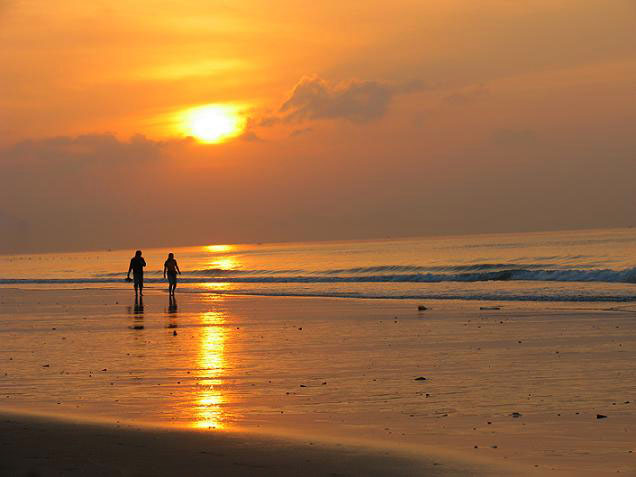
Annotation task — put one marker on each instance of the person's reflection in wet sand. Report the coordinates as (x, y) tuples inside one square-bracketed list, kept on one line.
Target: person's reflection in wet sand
[(172, 304), (172, 313), (138, 313)]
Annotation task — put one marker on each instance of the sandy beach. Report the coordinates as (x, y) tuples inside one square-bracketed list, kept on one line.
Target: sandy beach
[(38, 446), (377, 387)]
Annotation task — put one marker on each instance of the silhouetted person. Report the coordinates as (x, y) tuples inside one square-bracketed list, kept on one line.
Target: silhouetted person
[(137, 264), (171, 268)]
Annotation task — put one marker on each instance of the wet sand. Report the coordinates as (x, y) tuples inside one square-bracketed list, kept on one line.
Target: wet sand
[(36, 446), (325, 370)]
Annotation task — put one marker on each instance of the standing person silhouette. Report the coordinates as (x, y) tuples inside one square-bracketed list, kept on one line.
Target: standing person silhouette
[(171, 268), (137, 264)]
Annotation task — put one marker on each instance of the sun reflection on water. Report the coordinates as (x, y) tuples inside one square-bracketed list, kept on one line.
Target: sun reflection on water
[(218, 286), (224, 263), (219, 248), (212, 363)]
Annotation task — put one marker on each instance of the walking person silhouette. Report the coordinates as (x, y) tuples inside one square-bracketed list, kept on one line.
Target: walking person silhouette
[(171, 268), (137, 264)]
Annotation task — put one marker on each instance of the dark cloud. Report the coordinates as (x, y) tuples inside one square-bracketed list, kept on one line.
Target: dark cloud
[(15, 233), (514, 137), (300, 132), (85, 149), (356, 100), (250, 136), (467, 95), (266, 121)]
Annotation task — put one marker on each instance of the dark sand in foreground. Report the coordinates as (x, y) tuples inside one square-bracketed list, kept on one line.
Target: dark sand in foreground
[(36, 446)]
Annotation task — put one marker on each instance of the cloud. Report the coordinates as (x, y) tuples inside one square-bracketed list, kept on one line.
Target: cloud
[(250, 136), (300, 132), (514, 137), (357, 100), (85, 149), (15, 233), (467, 95)]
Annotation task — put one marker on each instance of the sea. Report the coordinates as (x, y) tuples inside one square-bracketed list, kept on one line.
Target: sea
[(423, 341), (565, 266)]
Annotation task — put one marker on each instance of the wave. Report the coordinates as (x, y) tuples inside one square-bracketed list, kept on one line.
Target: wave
[(498, 296), (440, 268), (546, 297), (509, 274)]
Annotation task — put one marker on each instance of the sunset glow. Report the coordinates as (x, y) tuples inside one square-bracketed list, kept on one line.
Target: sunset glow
[(213, 123), (300, 237), (218, 248)]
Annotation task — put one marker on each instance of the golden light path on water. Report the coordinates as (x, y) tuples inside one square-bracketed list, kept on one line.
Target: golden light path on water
[(224, 263), (218, 286), (212, 363)]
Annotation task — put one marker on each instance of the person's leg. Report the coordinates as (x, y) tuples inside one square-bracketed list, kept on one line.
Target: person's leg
[(136, 291)]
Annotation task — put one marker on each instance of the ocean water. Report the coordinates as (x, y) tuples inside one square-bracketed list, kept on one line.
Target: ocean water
[(75, 341), (571, 266)]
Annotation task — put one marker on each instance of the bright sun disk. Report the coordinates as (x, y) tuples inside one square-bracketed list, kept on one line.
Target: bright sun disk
[(213, 123)]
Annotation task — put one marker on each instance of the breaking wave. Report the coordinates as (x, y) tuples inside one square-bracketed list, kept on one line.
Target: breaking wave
[(384, 274)]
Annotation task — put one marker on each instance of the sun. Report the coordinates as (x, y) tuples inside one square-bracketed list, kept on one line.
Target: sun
[(213, 123)]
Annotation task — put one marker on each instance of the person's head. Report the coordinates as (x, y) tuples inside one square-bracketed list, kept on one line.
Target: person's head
[(138, 253), (170, 256)]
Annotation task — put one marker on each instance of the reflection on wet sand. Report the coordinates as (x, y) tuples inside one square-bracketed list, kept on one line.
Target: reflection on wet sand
[(138, 313), (212, 363), (171, 313)]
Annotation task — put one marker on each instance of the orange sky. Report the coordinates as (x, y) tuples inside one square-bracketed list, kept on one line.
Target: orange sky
[(364, 119)]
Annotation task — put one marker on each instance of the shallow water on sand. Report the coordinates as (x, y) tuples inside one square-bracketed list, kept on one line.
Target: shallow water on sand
[(334, 366)]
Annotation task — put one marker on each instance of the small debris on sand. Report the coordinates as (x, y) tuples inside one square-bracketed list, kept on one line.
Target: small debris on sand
[(422, 308), (421, 378), (490, 308), (174, 333), (516, 414), (601, 416), (46, 365)]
